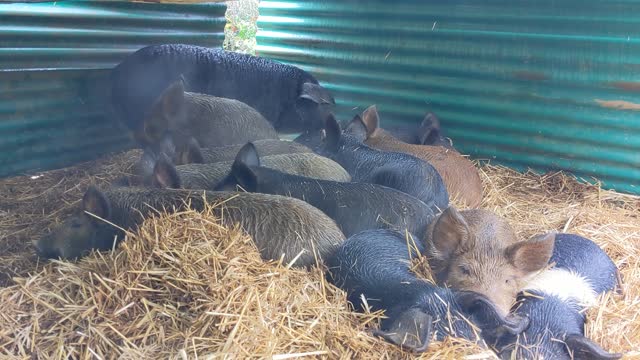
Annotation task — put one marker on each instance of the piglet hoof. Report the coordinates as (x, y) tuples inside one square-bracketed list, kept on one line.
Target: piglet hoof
[(411, 331), (406, 342), (585, 349), (488, 316)]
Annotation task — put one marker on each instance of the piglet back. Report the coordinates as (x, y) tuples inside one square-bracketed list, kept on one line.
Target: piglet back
[(584, 257)]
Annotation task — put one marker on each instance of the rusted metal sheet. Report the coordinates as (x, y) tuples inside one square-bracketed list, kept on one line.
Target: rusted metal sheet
[(54, 65), (551, 85)]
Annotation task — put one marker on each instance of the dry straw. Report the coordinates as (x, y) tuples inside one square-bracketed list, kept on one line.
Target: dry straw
[(184, 287)]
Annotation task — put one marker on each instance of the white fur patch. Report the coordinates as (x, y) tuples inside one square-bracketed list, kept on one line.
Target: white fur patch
[(564, 284)]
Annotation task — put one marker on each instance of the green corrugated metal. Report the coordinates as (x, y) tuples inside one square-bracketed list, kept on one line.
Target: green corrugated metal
[(524, 83), (54, 63)]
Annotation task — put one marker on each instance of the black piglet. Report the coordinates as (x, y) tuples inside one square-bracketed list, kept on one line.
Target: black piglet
[(375, 265)]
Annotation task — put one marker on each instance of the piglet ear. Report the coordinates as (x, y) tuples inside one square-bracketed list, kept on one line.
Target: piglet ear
[(248, 155), (316, 94), (357, 128), (172, 98), (190, 153), (144, 167), (533, 254), (332, 133), (371, 119), (96, 203), (241, 171), (411, 330), (165, 175), (450, 233), (429, 131), (488, 317), (585, 349)]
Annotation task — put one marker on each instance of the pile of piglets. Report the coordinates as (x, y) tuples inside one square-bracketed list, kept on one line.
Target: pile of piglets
[(360, 199)]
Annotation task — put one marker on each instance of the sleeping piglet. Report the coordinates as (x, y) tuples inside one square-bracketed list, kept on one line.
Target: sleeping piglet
[(555, 302), (374, 268), (478, 250)]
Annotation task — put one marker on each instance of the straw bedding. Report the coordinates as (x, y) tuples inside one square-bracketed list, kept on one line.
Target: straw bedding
[(184, 287)]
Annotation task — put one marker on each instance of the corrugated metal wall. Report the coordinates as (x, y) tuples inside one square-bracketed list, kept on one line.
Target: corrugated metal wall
[(54, 62), (542, 84)]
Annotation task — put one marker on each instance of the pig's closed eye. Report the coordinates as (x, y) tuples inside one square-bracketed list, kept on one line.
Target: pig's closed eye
[(465, 270)]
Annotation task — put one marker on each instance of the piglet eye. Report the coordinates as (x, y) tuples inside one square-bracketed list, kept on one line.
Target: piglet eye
[(465, 270)]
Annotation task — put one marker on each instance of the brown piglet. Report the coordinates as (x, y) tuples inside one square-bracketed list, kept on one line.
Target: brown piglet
[(477, 250), (458, 173)]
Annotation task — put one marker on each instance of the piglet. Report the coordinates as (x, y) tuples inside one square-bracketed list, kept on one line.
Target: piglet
[(374, 268), (555, 302), (477, 250), (458, 173), (396, 170), (212, 121), (281, 227), (283, 94)]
